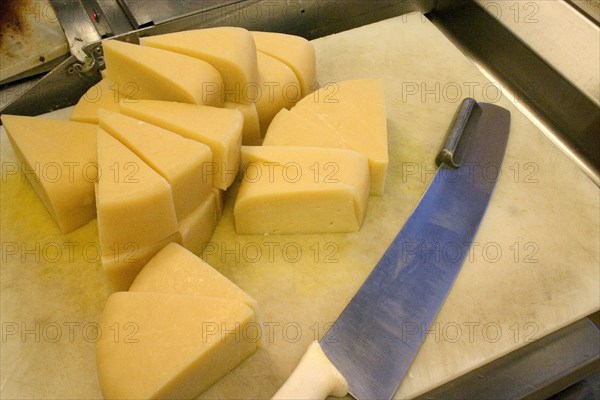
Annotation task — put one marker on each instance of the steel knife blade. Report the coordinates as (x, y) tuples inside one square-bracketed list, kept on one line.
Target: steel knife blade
[(367, 351)]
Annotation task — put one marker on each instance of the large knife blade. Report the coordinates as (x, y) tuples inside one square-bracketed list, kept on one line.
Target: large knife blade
[(373, 342)]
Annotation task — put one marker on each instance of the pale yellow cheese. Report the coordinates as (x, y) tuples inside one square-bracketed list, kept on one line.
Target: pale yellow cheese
[(279, 88), (105, 94), (301, 190), (297, 52), (135, 204), (59, 160), (218, 128), (162, 75), (230, 50), (197, 228), (170, 346), (122, 263), (292, 129), (177, 270), (251, 133), (179, 160), (355, 111)]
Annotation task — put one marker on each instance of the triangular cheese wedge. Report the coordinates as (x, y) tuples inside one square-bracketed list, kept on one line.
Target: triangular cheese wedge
[(301, 190), (251, 131), (218, 128), (162, 75), (168, 346), (180, 161), (104, 94), (59, 160), (135, 204), (279, 88), (197, 228), (177, 270), (295, 51), (230, 50), (353, 113)]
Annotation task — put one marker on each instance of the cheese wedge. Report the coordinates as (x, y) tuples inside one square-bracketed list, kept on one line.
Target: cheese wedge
[(122, 263), (177, 270), (135, 204), (354, 110), (59, 160), (162, 75), (179, 160), (295, 51), (251, 134), (301, 190), (230, 50), (197, 228), (218, 128), (105, 94), (279, 88), (169, 346)]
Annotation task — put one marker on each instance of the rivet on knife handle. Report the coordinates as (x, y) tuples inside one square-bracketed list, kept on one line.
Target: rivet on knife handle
[(459, 134)]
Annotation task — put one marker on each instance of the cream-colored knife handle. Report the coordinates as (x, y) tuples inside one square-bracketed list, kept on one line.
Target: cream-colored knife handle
[(315, 377)]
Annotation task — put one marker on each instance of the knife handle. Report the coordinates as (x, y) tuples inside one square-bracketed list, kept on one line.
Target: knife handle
[(315, 377)]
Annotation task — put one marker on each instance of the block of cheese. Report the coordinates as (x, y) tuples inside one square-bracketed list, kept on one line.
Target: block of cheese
[(301, 190), (197, 228), (176, 270), (279, 88), (162, 75), (104, 94), (297, 52), (122, 263), (135, 204), (293, 129), (355, 110), (179, 160), (59, 160), (251, 133), (218, 128), (169, 346), (230, 50)]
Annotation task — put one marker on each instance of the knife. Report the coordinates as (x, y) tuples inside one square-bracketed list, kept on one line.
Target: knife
[(368, 349)]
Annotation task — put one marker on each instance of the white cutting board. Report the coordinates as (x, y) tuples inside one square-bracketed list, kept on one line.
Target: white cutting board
[(543, 218)]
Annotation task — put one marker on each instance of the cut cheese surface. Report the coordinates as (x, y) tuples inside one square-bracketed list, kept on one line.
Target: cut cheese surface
[(105, 94), (295, 51), (230, 50), (179, 160), (170, 346), (279, 88), (135, 204), (122, 263), (355, 111), (162, 75), (59, 160), (251, 134), (218, 128), (301, 190), (177, 270), (293, 129), (197, 228)]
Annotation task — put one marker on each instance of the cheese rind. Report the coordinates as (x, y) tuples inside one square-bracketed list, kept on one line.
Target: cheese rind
[(301, 190), (162, 75), (179, 160), (59, 158), (279, 88), (295, 51), (169, 346), (351, 115), (230, 50), (218, 128), (135, 203)]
